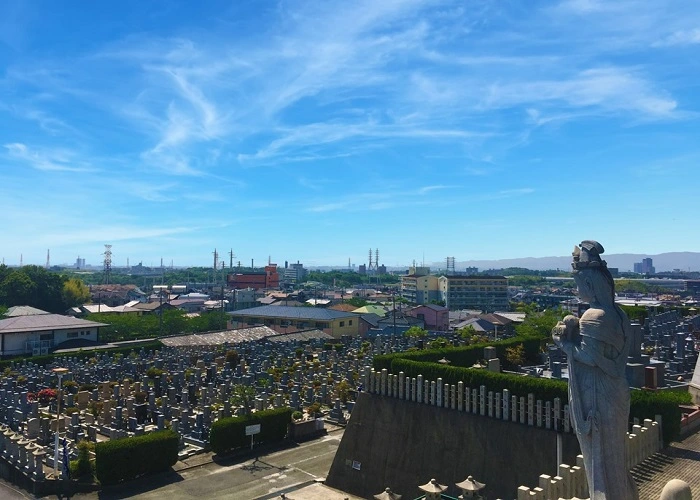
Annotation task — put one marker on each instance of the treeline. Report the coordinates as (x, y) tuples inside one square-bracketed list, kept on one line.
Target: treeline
[(35, 286), (168, 277), (174, 322)]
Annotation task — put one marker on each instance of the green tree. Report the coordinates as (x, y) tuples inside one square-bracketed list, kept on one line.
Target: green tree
[(243, 396), (357, 302), (342, 390), (515, 355), (174, 322), (467, 332), (540, 324), (438, 343), (416, 331), (74, 292), (18, 289)]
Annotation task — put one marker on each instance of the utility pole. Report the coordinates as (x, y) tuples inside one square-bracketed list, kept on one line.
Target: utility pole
[(393, 302)]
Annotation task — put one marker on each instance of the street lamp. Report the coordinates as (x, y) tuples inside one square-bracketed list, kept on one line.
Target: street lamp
[(60, 372)]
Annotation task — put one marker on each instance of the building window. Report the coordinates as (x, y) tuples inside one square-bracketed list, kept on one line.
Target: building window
[(71, 335), (349, 322), (342, 324), (46, 336)]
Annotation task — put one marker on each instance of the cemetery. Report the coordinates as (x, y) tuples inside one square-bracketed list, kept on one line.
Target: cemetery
[(65, 416), (195, 391)]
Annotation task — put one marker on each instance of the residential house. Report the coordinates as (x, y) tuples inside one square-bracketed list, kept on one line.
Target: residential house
[(115, 295), (435, 317), (41, 333)]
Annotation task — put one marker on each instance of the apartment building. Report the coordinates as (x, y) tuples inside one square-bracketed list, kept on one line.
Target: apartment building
[(484, 293)]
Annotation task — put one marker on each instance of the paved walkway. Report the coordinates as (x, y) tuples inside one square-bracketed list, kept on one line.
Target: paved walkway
[(678, 461)]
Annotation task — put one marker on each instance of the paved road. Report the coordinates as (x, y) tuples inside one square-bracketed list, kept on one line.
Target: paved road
[(9, 491), (252, 479)]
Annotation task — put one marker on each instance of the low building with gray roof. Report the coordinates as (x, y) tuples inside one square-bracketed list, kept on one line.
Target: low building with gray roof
[(290, 319), (40, 333)]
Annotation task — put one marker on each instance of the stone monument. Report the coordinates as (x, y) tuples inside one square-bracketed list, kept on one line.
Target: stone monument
[(596, 345)]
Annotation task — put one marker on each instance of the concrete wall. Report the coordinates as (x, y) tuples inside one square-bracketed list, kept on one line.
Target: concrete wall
[(401, 444)]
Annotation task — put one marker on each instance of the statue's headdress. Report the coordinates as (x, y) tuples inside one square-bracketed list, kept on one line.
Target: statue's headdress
[(587, 254)]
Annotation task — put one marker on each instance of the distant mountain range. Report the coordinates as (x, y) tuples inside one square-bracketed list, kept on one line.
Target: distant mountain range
[(685, 261)]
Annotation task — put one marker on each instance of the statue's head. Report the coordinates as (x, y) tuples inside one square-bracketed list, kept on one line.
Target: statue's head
[(587, 254), (591, 274)]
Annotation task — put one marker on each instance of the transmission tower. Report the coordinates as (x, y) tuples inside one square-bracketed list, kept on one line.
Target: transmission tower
[(107, 264), (48, 258), (450, 261), (376, 259), (21, 260), (231, 257)]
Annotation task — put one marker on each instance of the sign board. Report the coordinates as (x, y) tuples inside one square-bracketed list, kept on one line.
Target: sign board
[(252, 429)]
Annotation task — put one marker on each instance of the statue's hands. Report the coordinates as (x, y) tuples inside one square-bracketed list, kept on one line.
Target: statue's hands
[(565, 330)]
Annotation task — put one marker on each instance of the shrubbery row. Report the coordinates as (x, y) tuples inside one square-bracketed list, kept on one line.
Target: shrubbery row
[(229, 433), (644, 403), (127, 458), (467, 355)]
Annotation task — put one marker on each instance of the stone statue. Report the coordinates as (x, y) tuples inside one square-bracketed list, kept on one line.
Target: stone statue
[(599, 396)]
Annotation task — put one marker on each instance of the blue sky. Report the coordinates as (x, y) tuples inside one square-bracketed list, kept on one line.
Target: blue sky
[(316, 130)]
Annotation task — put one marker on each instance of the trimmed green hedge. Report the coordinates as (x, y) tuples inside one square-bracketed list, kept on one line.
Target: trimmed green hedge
[(127, 458), (465, 356), (545, 389), (229, 433), (648, 404), (644, 403)]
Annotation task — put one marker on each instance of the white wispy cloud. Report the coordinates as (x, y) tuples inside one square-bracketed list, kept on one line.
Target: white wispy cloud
[(47, 160), (681, 37), (428, 189), (608, 90)]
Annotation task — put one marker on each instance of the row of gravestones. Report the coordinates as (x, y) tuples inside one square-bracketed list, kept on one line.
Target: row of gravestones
[(671, 338), (209, 378), (192, 390)]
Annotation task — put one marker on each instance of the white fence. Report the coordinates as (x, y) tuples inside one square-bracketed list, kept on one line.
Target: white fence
[(642, 442), (570, 481), (500, 405)]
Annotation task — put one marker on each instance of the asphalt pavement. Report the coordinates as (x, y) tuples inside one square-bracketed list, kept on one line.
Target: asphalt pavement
[(259, 477)]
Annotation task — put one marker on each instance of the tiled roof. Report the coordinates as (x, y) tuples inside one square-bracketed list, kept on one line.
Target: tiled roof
[(434, 307), (311, 313), (23, 311), (41, 322)]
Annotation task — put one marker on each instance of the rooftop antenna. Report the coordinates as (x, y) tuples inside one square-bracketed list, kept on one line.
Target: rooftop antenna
[(107, 264), (48, 258)]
